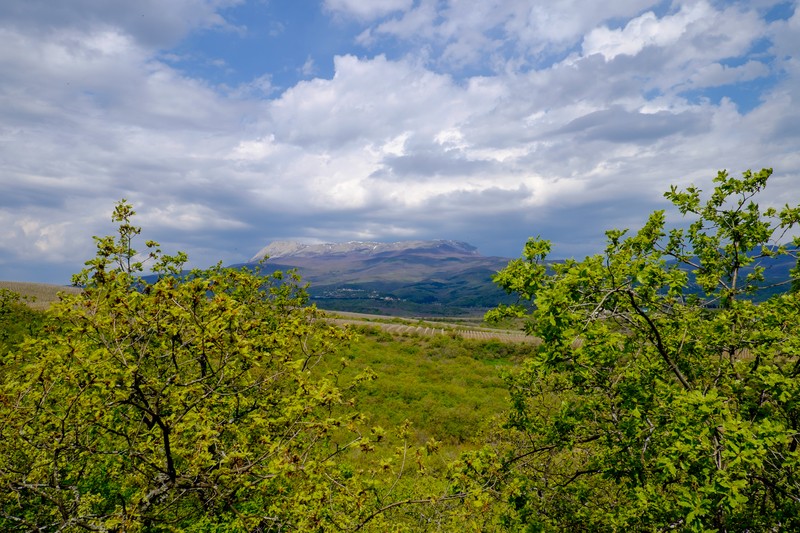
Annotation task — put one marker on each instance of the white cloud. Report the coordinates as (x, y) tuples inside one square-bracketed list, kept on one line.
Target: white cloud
[(366, 99), (367, 9), (646, 30), (253, 150), (397, 145), (579, 124), (308, 67), (152, 23), (186, 216), (418, 22), (474, 32), (716, 74)]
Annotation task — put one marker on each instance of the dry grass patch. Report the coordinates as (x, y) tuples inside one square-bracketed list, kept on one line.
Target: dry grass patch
[(37, 295)]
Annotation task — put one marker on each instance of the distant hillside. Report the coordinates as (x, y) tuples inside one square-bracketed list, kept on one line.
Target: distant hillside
[(402, 278), (420, 277)]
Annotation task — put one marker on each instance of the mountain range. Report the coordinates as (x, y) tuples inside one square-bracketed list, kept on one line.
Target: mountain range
[(429, 278), (419, 278)]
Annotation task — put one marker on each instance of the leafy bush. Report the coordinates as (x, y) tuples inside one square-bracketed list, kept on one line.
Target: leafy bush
[(17, 320), (194, 403), (648, 406)]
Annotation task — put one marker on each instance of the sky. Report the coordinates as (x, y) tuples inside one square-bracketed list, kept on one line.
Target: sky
[(229, 124)]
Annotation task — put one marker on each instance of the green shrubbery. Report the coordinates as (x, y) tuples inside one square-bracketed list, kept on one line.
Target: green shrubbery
[(186, 404), (223, 402), (17, 320), (649, 406)]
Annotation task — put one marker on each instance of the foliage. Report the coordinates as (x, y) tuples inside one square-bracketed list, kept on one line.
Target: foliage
[(649, 406), (209, 402), (17, 319), (182, 404)]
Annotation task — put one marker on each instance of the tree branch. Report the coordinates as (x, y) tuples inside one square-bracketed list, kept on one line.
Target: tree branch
[(459, 496), (658, 341)]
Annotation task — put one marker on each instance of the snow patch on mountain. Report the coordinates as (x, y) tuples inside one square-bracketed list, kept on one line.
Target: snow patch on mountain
[(278, 249)]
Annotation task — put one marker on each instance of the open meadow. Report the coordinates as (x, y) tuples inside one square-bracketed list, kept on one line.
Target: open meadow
[(447, 385)]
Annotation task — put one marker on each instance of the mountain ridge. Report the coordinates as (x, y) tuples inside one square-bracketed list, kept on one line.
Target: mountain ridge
[(281, 249), (419, 277)]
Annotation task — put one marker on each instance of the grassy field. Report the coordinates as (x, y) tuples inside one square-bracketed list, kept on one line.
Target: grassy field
[(447, 386)]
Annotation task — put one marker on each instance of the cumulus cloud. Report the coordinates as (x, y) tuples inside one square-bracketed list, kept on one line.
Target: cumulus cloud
[(645, 30), (475, 32), (716, 74), (367, 99), (152, 23), (485, 122), (620, 126)]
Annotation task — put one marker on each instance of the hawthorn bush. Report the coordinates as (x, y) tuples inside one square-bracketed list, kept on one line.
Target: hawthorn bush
[(192, 402), (665, 394)]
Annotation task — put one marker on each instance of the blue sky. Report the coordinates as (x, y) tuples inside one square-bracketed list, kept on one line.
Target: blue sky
[(233, 123)]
